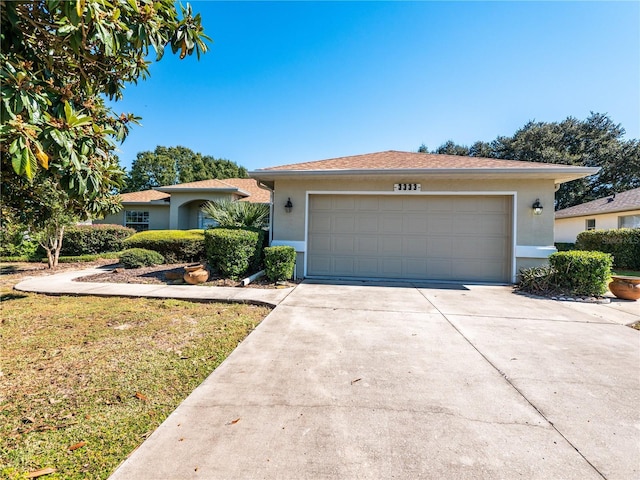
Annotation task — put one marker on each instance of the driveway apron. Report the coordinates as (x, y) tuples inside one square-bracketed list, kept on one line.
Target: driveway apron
[(394, 381)]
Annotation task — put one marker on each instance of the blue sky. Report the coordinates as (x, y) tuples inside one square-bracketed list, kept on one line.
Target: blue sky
[(288, 82)]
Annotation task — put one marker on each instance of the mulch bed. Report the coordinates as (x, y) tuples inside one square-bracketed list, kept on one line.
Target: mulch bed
[(158, 275)]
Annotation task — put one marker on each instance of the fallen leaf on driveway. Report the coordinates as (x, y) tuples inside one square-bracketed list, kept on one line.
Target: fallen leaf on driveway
[(356, 380), (233, 422)]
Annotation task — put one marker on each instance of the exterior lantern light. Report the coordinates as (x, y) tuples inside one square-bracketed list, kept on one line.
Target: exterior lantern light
[(537, 207), (288, 206)]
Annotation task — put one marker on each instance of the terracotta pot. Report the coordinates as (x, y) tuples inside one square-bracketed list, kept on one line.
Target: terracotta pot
[(196, 276), (627, 288)]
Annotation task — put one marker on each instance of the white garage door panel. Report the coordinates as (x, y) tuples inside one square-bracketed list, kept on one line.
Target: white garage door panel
[(412, 237)]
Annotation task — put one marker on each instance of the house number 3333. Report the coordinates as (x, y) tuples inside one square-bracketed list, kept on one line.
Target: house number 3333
[(406, 187)]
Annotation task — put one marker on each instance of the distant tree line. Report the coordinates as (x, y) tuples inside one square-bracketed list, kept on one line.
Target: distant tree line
[(173, 165), (594, 142)]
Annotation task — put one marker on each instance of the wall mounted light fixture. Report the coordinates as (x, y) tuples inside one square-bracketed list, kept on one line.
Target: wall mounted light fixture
[(537, 207), (288, 206)]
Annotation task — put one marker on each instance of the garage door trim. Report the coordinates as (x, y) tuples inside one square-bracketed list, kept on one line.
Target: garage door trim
[(511, 194)]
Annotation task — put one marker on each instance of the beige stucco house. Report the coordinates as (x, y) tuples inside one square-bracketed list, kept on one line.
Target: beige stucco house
[(621, 210), (403, 215), (177, 207)]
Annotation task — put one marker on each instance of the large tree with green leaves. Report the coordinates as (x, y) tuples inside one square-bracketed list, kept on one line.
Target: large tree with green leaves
[(594, 142), (59, 62), (171, 165)]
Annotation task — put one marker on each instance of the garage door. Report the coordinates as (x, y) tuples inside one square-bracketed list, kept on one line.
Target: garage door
[(410, 237)]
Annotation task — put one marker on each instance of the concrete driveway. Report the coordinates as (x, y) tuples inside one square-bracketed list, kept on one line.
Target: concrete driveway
[(396, 381)]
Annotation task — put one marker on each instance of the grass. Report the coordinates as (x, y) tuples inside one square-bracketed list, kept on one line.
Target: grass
[(84, 380)]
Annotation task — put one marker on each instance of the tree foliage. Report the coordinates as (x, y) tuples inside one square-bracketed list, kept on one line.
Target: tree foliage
[(172, 165), (594, 142), (59, 60)]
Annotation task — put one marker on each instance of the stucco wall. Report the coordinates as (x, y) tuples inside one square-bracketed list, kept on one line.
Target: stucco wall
[(158, 216), (184, 213), (567, 229), (531, 230)]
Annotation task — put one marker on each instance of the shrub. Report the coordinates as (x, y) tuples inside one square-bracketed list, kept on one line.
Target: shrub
[(581, 273), (279, 262), (234, 251), (232, 213), (92, 239), (539, 280), (139, 257), (622, 243), (175, 246), (565, 246), (15, 242)]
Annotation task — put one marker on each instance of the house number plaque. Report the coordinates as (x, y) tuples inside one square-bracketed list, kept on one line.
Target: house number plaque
[(406, 187)]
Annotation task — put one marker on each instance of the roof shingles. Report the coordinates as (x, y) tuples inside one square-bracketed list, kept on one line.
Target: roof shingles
[(395, 160), (629, 200)]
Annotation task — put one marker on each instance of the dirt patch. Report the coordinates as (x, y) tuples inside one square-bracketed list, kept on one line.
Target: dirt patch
[(163, 274)]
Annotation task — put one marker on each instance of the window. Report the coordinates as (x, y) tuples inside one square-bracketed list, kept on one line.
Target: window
[(629, 221), (590, 224), (205, 221), (136, 219)]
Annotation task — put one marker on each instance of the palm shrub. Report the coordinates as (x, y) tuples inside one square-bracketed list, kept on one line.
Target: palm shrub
[(230, 213)]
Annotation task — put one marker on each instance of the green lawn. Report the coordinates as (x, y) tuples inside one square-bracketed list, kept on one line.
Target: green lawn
[(83, 380)]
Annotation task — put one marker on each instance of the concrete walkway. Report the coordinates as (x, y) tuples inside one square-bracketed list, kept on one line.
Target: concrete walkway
[(379, 381), (64, 284)]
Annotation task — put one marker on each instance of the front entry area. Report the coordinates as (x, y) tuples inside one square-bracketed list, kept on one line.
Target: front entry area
[(415, 237)]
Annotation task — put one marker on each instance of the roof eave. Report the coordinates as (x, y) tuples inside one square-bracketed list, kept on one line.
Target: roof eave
[(197, 190), (558, 174), (588, 214)]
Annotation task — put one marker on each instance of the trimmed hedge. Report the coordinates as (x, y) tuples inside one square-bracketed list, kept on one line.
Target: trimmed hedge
[(577, 273), (176, 246), (234, 252), (139, 257), (581, 273), (92, 239), (279, 262), (622, 243)]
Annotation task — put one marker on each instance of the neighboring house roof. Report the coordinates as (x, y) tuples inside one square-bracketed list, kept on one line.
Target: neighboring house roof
[(411, 162), (145, 196), (247, 188), (619, 202)]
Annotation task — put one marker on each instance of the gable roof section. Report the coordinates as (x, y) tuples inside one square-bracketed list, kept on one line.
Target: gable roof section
[(396, 162), (620, 202), (146, 196), (247, 188)]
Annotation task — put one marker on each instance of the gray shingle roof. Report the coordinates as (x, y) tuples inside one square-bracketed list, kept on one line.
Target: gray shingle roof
[(629, 200)]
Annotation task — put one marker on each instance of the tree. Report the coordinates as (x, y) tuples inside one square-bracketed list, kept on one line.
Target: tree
[(172, 165), (58, 62), (594, 142)]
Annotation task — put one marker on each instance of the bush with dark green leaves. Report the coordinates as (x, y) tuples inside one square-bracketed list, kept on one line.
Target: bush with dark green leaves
[(139, 257), (234, 252), (576, 272), (622, 243), (176, 246), (279, 262), (565, 246), (92, 239)]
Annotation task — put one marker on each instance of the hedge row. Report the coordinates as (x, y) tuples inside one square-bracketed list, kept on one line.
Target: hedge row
[(176, 246), (92, 239), (622, 243)]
